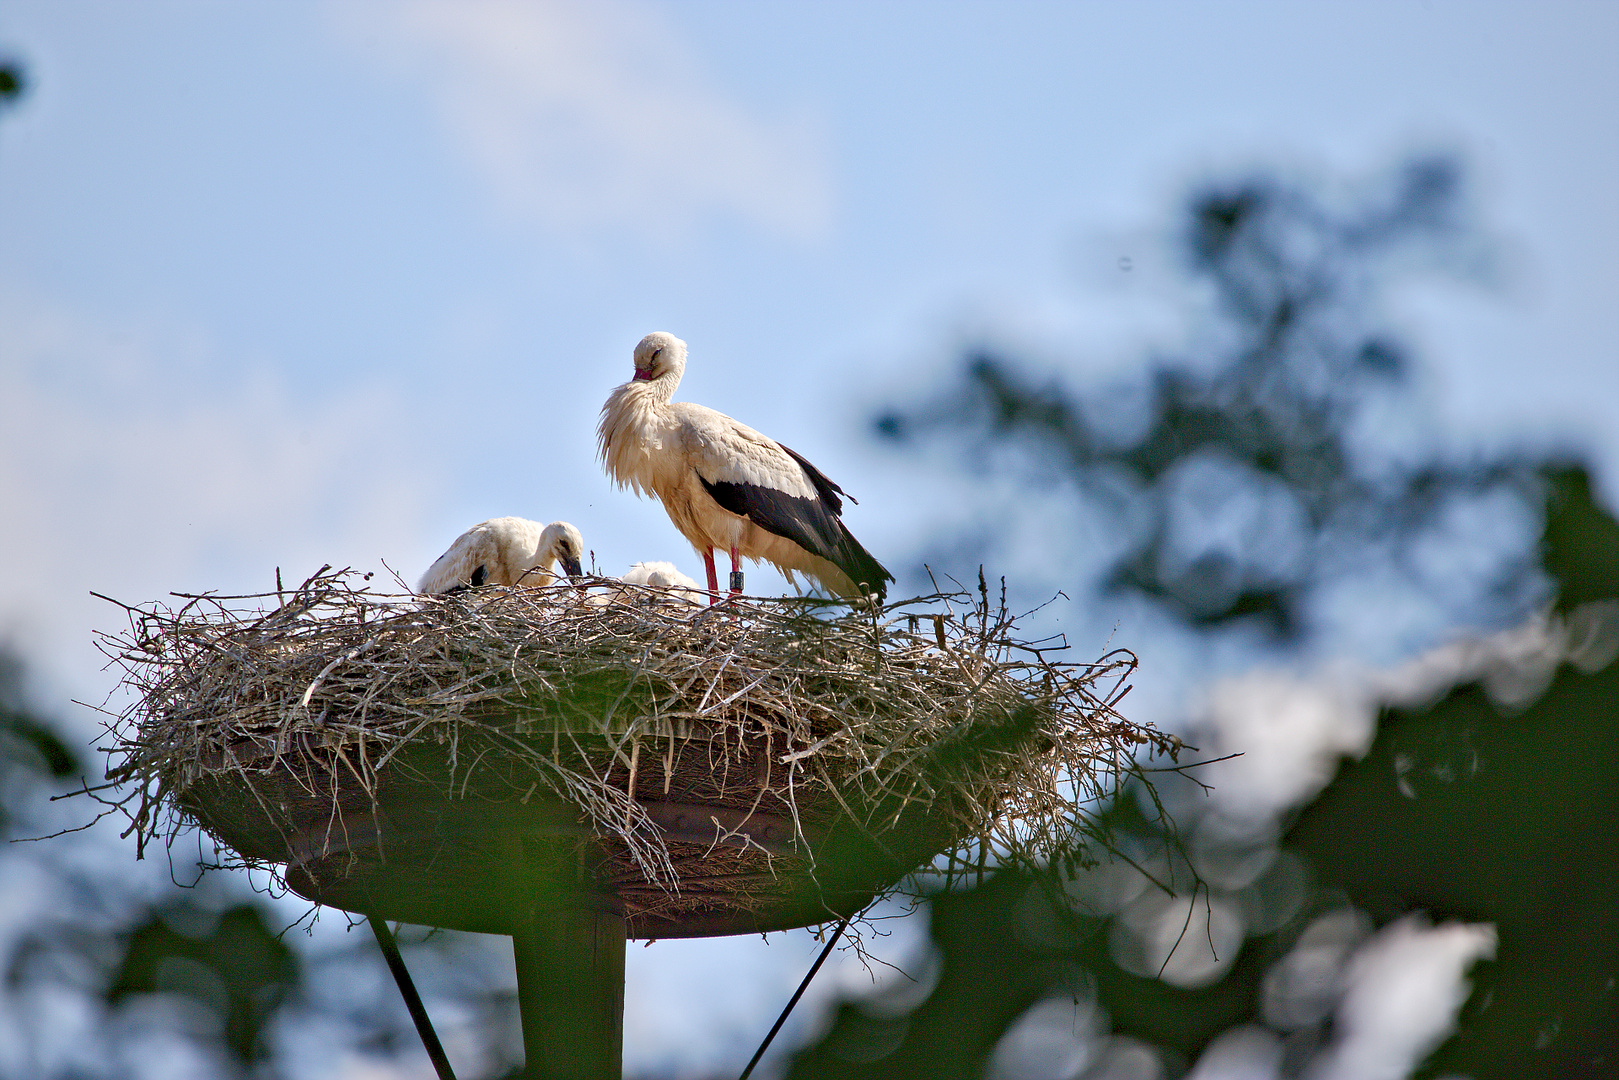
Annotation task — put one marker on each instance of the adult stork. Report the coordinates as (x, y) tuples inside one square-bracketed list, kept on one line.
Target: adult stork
[(725, 485), (505, 551)]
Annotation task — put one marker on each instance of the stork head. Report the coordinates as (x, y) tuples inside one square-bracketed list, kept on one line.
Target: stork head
[(561, 542), (659, 354)]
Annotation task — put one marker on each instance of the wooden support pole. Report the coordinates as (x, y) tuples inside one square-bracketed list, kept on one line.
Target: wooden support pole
[(570, 989)]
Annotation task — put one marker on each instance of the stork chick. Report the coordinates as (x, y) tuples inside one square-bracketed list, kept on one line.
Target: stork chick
[(670, 585), (506, 551)]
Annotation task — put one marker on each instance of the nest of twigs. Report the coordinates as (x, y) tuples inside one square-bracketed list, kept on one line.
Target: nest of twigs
[(289, 723)]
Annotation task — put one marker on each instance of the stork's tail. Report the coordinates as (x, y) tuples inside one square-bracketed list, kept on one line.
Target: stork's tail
[(868, 575)]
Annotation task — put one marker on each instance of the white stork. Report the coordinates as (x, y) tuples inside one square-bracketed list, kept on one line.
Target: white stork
[(505, 551), (725, 485)]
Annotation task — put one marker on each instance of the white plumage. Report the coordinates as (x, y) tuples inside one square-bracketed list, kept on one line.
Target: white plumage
[(506, 551), (662, 576), (724, 484)]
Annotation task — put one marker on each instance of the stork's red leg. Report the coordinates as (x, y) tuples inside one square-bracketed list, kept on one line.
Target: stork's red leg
[(713, 575), (736, 573)]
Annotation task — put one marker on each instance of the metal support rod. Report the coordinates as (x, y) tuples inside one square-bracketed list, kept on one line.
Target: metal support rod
[(413, 1000), (782, 1019), (570, 990)]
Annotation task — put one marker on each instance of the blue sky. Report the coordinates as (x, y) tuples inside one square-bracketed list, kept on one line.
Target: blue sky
[(302, 283), (294, 283)]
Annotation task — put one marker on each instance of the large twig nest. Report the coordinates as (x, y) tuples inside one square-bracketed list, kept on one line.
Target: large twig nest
[(734, 765)]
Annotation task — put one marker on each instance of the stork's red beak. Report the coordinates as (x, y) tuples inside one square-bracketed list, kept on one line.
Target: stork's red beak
[(641, 374)]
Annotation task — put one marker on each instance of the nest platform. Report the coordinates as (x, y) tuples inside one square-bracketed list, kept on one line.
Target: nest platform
[(759, 765)]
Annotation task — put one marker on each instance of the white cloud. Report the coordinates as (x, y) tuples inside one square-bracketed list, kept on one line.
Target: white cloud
[(1302, 987), (1402, 992), (1248, 1052), (1189, 941), (583, 115), (137, 460), (1291, 730), (1516, 664), (1395, 995), (1054, 1039)]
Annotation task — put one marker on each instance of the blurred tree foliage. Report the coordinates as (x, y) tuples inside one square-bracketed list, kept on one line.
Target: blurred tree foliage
[(1259, 461), (1505, 817), (1470, 811), (27, 743), (12, 81), (1253, 477), (105, 937), (234, 966)]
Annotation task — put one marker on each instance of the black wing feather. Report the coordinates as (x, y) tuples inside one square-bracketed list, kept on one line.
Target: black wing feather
[(824, 486), (812, 524)]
